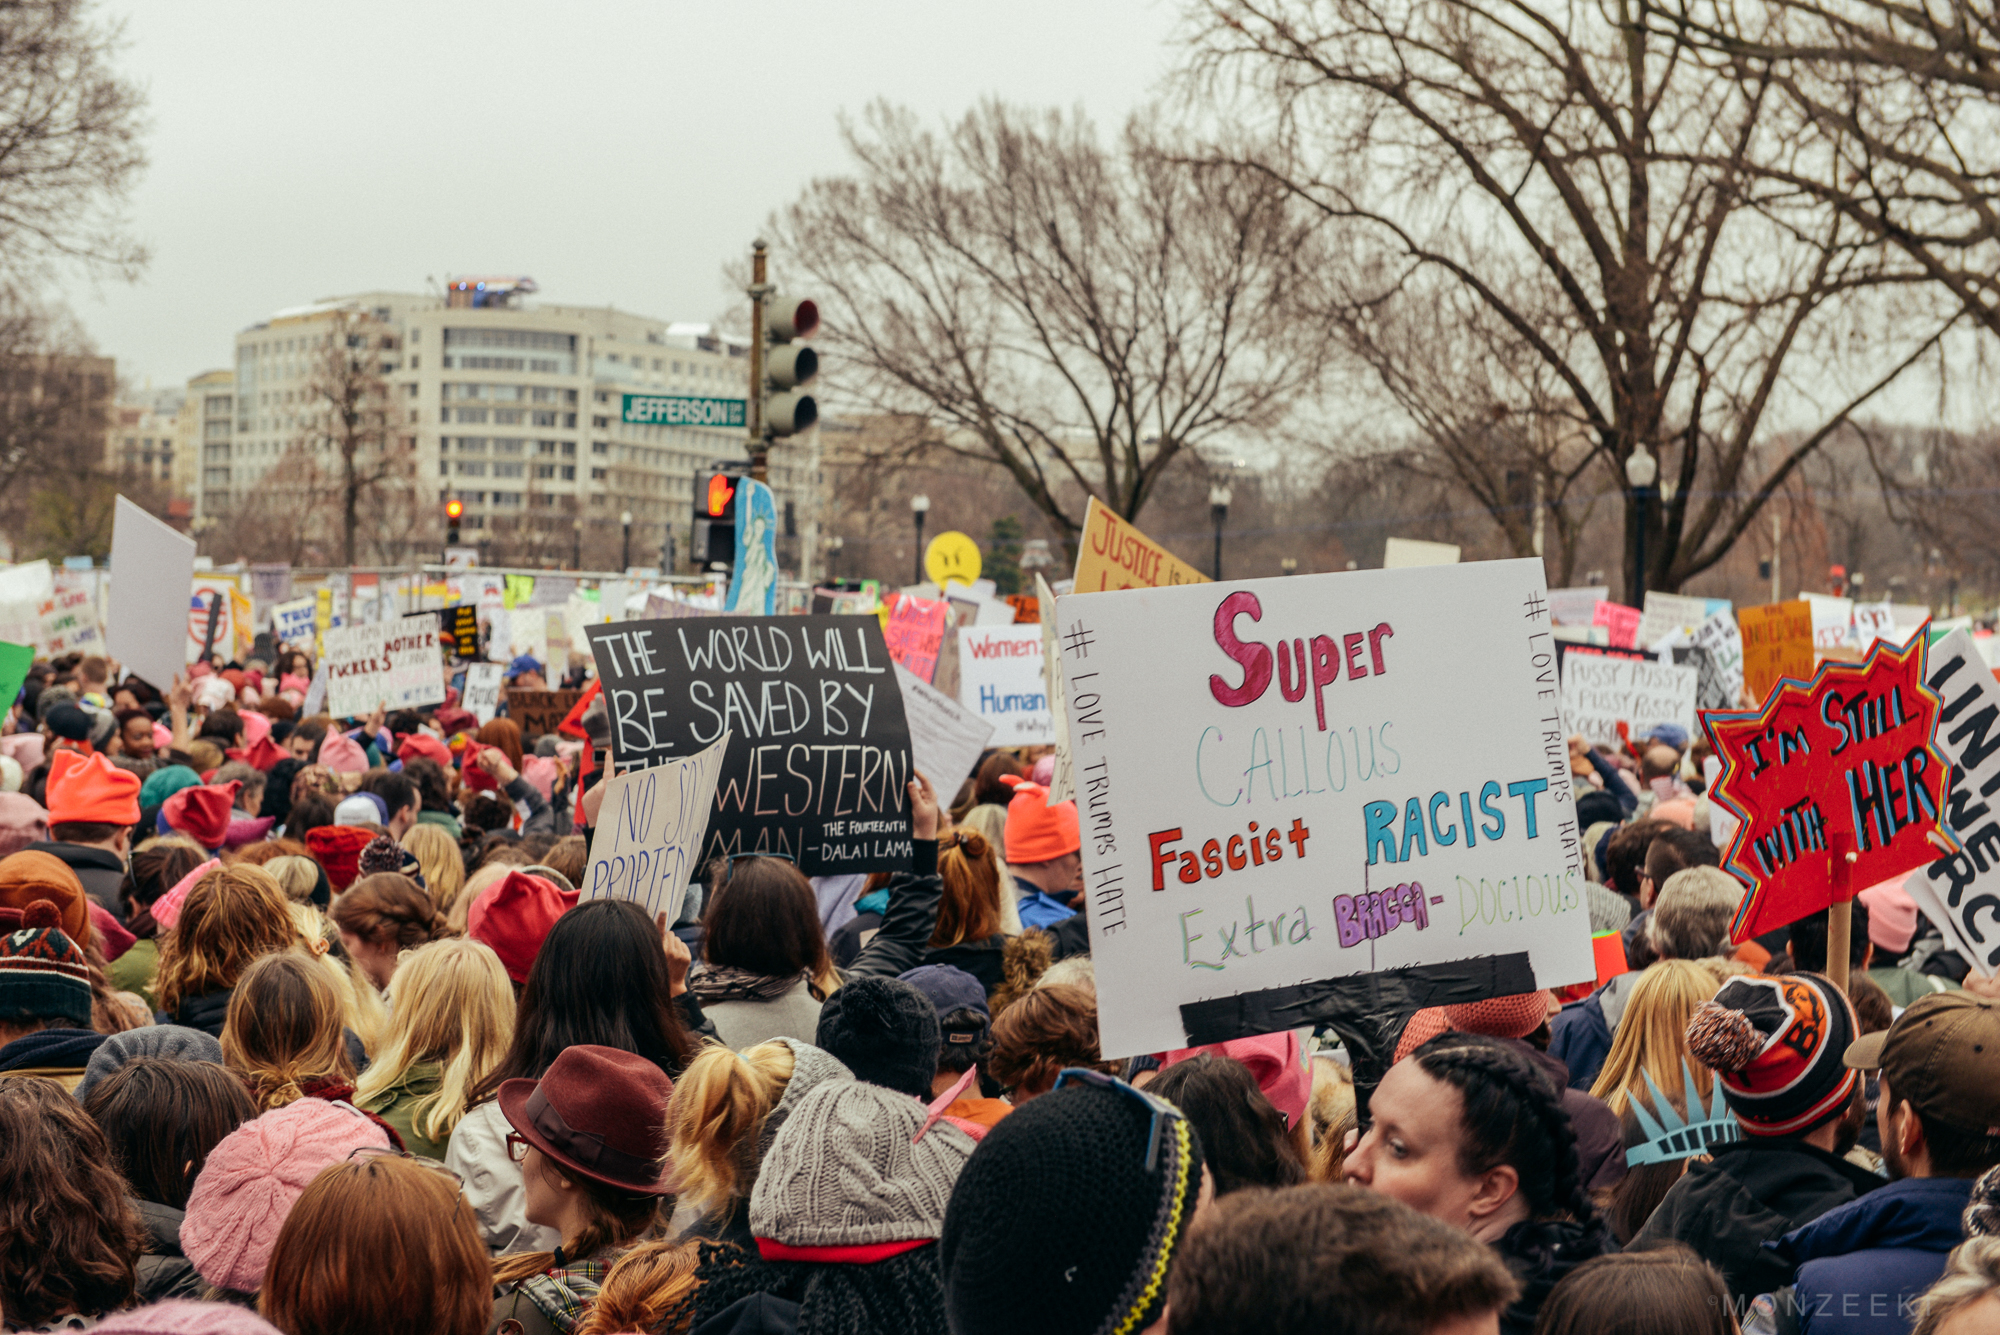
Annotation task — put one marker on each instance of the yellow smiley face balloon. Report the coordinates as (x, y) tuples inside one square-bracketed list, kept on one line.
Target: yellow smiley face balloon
[(952, 558)]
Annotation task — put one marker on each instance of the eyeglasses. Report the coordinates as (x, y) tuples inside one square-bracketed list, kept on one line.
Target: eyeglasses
[(1158, 1107), (435, 1165), (518, 1147)]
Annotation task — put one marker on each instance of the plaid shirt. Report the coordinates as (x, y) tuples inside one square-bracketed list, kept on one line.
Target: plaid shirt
[(565, 1294)]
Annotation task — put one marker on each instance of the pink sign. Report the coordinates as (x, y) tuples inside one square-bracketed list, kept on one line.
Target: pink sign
[(1621, 621), (915, 631)]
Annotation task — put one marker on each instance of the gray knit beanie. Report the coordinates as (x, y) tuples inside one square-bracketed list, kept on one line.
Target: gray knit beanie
[(811, 1068), (172, 1042), (848, 1169)]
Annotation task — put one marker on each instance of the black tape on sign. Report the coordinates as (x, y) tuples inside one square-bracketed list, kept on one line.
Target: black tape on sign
[(1367, 1010)]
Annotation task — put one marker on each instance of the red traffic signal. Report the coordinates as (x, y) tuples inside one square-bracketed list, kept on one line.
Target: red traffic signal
[(454, 510), (720, 494)]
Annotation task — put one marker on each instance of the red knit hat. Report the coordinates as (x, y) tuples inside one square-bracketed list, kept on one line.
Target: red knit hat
[(423, 746), (202, 813), (261, 754), (514, 915), (1498, 1017), (337, 848), (91, 790), (1036, 831)]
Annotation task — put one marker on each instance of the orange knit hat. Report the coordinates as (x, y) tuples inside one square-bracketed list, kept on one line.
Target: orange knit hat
[(1036, 831), (91, 790)]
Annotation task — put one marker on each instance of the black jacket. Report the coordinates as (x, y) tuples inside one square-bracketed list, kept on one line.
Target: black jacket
[(1540, 1255), (1753, 1192), (164, 1272), (205, 1012), (102, 873)]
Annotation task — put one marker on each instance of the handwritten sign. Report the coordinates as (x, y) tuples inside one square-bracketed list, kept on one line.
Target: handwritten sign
[(946, 738), (1666, 613), (1874, 621), (1621, 624), (482, 691), (1832, 620), (539, 712), (1288, 780), (650, 831), (1777, 643), (459, 625), (1599, 692), (915, 632), (818, 760), (1722, 676), (296, 623), (1843, 763), (1960, 892), (69, 617), (1115, 555), (1000, 679), (397, 665)]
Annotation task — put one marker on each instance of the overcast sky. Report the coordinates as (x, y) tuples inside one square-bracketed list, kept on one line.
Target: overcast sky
[(619, 152)]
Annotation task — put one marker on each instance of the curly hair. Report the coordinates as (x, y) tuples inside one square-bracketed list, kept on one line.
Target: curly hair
[(389, 909), (651, 1288), (1046, 1030), (69, 1237), (231, 917)]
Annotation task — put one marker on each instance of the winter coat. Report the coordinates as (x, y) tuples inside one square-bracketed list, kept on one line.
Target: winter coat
[(1862, 1266), (1540, 1254), (744, 1024), (205, 1012), (55, 1054), (1752, 1192), (102, 872), (135, 970), (397, 1105), (1580, 1035), (554, 1301), (477, 1152), (1600, 1137), (164, 1272)]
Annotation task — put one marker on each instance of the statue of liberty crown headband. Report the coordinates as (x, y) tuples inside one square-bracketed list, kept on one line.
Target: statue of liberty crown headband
[(1670, 1136)]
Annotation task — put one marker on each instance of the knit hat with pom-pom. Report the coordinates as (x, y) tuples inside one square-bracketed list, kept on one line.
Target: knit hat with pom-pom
[(1777, 1044), (43, 975), (886, 1031)]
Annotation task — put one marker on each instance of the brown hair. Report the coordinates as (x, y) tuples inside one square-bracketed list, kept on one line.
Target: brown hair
[(612, 1219), (1046, 1030), (569, 855), (157, 868), (1625, 854), (162, 1118), (986, 785), (69, 1238), (762, 917), (969, 908), (231, 917), (389, 908), (651, 1288), (1307, 1257), (266, 851), (286, 1029), (363, 1220), (1660, 1291), (505, 734)]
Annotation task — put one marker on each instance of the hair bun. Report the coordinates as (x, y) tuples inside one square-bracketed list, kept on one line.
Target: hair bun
[(1722, 1039)]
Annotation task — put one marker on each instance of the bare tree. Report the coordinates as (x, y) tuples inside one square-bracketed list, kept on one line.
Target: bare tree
[(1080, 315), (1557, 166), (70, 128), (348, 432)]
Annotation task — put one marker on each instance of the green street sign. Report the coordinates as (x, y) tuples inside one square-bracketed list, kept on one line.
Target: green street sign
[(683, 410)]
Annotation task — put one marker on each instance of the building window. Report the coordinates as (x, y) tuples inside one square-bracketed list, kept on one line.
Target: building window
[(507, 444), (545, 419), (597, 474), (569, 419), (569, 472), (471, 468), (545, 470), (600, 447), (569, 449), (472, 414), (507, 470), (601, 423)]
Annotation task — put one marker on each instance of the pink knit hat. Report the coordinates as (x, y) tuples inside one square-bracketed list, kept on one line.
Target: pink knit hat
[(178, 1316), (342, 754), (251, 1179), (1892, 915), (167, 908), (1277, 1060)]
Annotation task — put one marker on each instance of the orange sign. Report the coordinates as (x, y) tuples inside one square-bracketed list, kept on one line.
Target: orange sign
[(1777, 642), (1115, 555)]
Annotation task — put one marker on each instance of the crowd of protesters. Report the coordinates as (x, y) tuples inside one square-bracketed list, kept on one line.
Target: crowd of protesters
[(307, 1025)]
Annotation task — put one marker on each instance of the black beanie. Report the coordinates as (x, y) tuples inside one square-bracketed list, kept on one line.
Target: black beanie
[(886, 1031), (1059, 1225)]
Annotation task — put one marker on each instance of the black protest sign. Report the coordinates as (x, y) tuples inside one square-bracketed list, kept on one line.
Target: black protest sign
[(819, 751), (540, 712)]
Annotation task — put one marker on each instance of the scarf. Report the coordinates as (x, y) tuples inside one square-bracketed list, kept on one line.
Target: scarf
[(565, 1292), (711, 983)]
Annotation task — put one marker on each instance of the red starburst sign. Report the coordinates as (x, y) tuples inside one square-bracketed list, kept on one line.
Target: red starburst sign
[(1845, 762)]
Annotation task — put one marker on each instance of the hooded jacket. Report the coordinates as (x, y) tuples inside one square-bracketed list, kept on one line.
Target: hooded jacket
[(1750, 1193), (1580, 1034), (1862, 1266)]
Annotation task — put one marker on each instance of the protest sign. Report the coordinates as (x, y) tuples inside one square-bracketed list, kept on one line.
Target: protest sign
[(211, 617), (397, 665), (1843, 764), (753, 582), (952, 558), (1408, 553), (1288, 780), (459, 624), (945, 737), (1874, 621), (1114, 555), (915, 632), (482, 691), (69, 617), (15, 660), (1666, 613), (1832, 620), (24, 591), (146, 615), (315, 701), (523, 632), (295, 623), (1960, 891), (650, 831), (1061, 785), (818, 760), (1722, 681), (1576, 607), (1600, 692), (1777, 643), (1000, 679), (1621, 624), (540, 712)]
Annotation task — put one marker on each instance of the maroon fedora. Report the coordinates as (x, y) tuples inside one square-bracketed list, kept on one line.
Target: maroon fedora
[(600, 1113)]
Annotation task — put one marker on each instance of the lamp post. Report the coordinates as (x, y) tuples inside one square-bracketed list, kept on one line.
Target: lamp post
[(576, 548), (1218, 509), (1640, 470), (625, 561), (920, 506)]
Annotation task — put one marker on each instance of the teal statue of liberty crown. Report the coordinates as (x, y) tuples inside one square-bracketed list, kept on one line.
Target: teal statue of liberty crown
[(1670, 1136)]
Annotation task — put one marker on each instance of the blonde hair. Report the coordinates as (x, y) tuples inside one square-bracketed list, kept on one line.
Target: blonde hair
[(297, 876), (720, 1103), (651, 1288), (475, 886), (1332, 1114), (1652, 1038), (1971, 1273), (366, 1015), (284, 1029), (439, 860), (990, 820), (453, 1005)]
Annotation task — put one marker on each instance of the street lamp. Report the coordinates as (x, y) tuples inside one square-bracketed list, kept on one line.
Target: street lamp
[(920, 506), (1218, 508), (1641, 468), (625, 563), (576, 551)]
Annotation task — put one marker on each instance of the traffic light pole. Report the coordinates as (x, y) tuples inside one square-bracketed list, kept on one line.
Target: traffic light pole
[(759, 289)]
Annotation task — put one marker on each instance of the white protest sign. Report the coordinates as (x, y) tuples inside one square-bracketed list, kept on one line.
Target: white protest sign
[(1875, 621), (1600, 692), (1833, 620), (294, 622), (315, 694), (1000, 679), (1666, 613), (1293, 779), (69, 617), (945, 737), (650, 831), (398, 665), (1723, 639), (1961, 892), (482, 691), (1061, 786), (1721, 824), (1408, 553), (145, 618), (1576, 607)]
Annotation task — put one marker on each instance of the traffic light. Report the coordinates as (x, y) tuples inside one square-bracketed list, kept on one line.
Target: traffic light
[(788, 365), (454, 510), (715, 515)]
